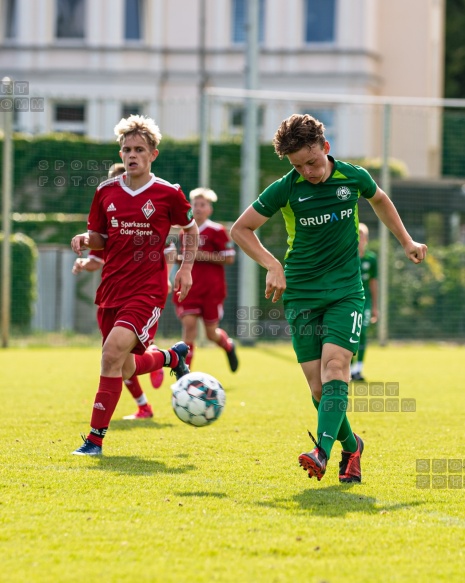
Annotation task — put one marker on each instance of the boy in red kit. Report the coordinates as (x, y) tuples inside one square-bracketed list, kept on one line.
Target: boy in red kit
[(93, 262), (209, 288), (130, 217)]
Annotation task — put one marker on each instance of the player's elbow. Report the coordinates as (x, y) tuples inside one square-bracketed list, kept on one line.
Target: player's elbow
[(232, 232), (237, 232)]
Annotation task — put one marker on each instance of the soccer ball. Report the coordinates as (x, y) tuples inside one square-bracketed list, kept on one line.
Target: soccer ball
[(198, 399)]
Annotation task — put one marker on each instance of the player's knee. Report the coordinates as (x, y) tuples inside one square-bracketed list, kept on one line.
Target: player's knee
[(212, 335), (111, 357), (334, 368)]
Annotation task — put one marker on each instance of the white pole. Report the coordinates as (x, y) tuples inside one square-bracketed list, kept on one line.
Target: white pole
[(204, 161), (383, 328), (7, 182), (248, 269), (204, 154)]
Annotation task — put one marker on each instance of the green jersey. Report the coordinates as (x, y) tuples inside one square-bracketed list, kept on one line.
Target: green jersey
[(369, 270), (322, 227)]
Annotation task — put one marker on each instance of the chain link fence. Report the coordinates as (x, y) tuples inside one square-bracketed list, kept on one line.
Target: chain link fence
[(414, 149)]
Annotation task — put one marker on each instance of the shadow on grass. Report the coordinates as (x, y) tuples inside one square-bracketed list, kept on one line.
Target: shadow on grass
[(202, 494), (338, 501), (124, 425), (136, 466)]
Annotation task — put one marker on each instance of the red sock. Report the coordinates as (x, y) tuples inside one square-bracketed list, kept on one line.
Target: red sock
[(225, 342), (190, 354), (149, 361), (154, 360), (106, 399), (133, 386)]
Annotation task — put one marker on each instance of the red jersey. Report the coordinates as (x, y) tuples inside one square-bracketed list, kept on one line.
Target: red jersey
[(136, 224), (96, 255), (209, 278)]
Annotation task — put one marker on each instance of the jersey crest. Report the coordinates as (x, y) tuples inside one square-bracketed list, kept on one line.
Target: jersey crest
[(148, 209), (343, 193)]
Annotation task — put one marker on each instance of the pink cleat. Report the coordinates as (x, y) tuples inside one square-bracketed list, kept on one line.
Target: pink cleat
[(156, 378), (143, 412)]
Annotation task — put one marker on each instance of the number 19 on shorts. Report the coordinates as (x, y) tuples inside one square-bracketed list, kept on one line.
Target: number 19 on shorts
[(357, 319)]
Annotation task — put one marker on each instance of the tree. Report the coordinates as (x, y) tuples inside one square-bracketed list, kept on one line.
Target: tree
[(454, 84)]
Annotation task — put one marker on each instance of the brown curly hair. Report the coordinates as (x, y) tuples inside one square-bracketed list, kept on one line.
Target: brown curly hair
[(296, 132)]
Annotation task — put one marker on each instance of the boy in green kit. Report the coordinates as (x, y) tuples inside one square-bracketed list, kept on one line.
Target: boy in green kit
[(320, 283)]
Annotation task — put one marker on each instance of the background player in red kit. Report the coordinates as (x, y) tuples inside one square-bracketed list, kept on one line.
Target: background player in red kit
[(208, 291), (130, 217)]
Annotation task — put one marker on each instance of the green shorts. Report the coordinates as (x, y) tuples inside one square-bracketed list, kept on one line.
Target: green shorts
[(333, 316)]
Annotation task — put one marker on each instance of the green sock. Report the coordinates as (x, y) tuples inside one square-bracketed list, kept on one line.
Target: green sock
[(331, 413), (345, 435)]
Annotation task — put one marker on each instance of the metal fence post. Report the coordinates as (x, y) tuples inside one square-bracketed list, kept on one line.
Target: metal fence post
[(7, 184), (383, 330)]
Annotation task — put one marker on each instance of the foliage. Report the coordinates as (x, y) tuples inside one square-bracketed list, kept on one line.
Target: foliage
[(397, 168), (59, 173), (454, 87), (454, 77), (23, 279), (427, 301), (452, 141), (56, 228)]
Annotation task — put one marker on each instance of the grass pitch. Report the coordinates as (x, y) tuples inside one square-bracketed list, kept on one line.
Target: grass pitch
[(229, 503)]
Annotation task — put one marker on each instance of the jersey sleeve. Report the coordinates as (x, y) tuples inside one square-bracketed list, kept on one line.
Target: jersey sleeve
[(96, 220), (273, 198), (181, 211), (368, 186)]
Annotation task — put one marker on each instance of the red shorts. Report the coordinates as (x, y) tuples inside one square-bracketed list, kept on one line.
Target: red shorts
[(210, 311), (137, 315)]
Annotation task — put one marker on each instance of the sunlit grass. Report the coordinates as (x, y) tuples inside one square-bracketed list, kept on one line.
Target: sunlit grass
[(228, 502)]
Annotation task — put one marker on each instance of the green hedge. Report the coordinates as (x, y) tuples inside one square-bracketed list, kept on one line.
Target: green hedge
[(427, 301), (59, 173), (23, 279)]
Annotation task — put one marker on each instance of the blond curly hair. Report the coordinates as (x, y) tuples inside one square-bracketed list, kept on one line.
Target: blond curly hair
[(206, 193), (138, 125)]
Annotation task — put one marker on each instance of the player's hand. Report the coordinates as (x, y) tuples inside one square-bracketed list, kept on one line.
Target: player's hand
[(79, 265), (80, 242), (182, 283), (416, 252), (374, 316), (275, 282)]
